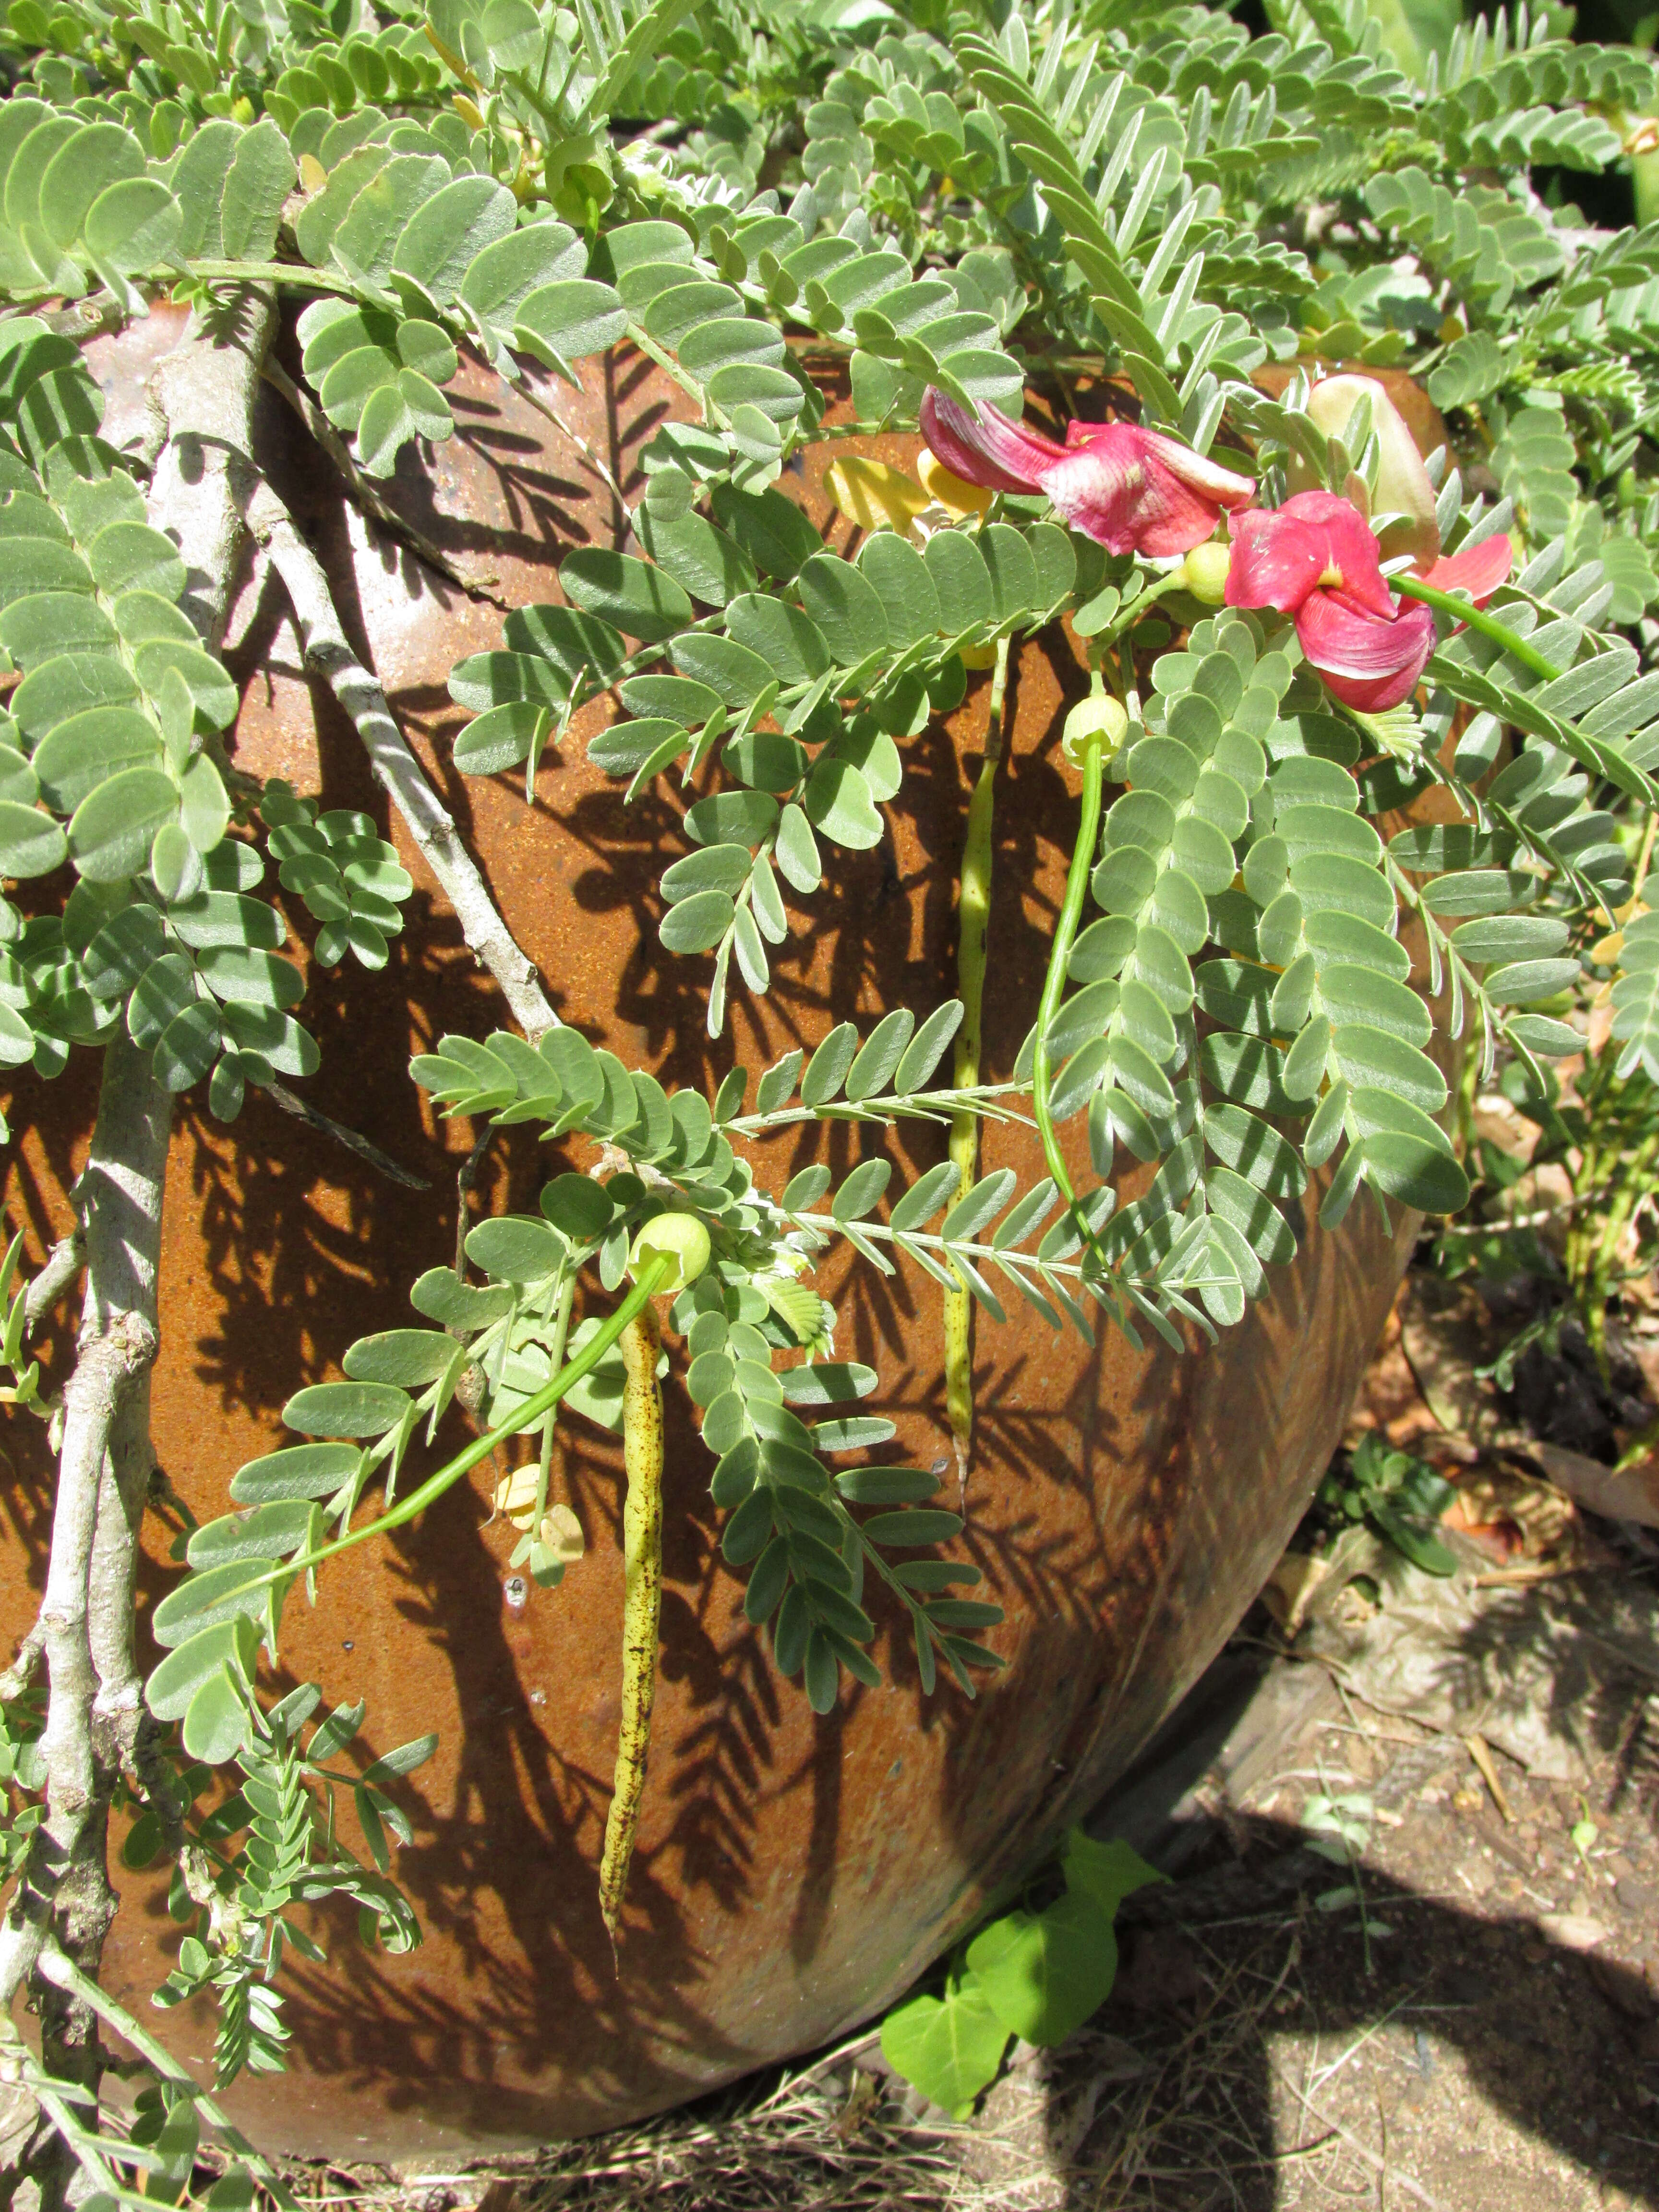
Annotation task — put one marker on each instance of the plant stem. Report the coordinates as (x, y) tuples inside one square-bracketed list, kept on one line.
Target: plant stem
[(1053, 983), (360, 488), (275, 273), (974, 914), (555, 1356), (465, 1461), (642, 338), (64, 1263), (1465, 610), (201, 404), (63, 1972)]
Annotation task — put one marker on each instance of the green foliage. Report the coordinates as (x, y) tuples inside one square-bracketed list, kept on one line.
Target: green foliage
[(1604, 1141), (273, 1843), (1399, 1496), (1036, 1973)]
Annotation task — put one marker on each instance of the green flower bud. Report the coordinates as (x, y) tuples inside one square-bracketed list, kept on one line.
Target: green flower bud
[(680, 1238), (1093, 721), (1204, 572)]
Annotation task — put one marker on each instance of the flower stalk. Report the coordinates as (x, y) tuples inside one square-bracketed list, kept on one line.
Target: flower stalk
[(974, 912)]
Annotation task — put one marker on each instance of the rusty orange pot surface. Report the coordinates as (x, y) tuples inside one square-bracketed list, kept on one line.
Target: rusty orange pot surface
[(793, 1875)]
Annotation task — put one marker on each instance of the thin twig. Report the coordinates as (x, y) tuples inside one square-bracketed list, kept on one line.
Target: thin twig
[(325, 1125), (527, 391), (464, 1183), (396, 769), (64, 1263), (377, 509), (21, 1673)]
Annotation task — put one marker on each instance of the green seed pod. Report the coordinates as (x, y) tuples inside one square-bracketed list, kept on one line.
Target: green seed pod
[(1204, 572), (1093, 721), (681, 1239)]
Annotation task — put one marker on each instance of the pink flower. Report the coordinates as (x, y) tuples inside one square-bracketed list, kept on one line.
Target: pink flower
[(1316, 558), (1131, 490)]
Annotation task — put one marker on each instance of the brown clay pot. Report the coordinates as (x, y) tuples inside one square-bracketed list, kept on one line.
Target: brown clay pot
[(793, 1875)]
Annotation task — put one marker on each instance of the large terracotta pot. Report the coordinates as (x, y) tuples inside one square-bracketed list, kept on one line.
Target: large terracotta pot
[(793, 1873)]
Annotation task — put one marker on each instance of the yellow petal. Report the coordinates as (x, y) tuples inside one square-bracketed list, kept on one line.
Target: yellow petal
[(1606, 953), (949, 489), (516, 1494), (562, 1534), (872, 495)]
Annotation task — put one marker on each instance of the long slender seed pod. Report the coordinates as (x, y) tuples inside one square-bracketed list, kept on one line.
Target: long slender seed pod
[(642, 1456), (973, 914)]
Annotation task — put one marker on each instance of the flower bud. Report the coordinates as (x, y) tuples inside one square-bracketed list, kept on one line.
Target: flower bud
[(1093, 721), (681, 1239), (1402, 481), (1204, 572)]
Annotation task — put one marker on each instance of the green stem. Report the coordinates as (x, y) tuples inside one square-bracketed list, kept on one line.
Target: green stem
[(642, 338), (528, 1414), (61, 1970), (984, 1099), (1053, 983), (1465, 610), (974, 912), (1126, 617), (270, 272), (555, 1354)]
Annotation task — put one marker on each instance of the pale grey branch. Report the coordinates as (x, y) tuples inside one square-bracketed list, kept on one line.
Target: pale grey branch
[(201, 402), (396, 769), (363, 492), (64, 1263)]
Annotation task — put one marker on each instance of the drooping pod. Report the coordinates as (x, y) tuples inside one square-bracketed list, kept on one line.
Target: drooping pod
[(675, 1248), (642, 1456)]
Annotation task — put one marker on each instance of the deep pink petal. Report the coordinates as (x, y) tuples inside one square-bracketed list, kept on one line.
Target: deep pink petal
[(1368, 663), (1376, 697), (1343, 638), (1478, 570), (1204, 476), (1116, 490), (994, 452), (1277, 561), (1352, 563)]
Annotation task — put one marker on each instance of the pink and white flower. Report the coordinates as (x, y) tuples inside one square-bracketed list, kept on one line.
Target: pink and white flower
[(1131, 490), (1314, 558)]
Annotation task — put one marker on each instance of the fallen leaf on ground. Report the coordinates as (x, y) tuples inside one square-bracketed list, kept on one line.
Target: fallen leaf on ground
[(1573, 1931), (1291, 1588)]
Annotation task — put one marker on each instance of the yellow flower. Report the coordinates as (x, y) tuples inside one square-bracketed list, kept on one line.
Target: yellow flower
[(873, 495), (1605, 951), (950, 491)]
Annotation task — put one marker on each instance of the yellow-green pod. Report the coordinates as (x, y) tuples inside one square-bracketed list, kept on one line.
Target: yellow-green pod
[(642, 1457)]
